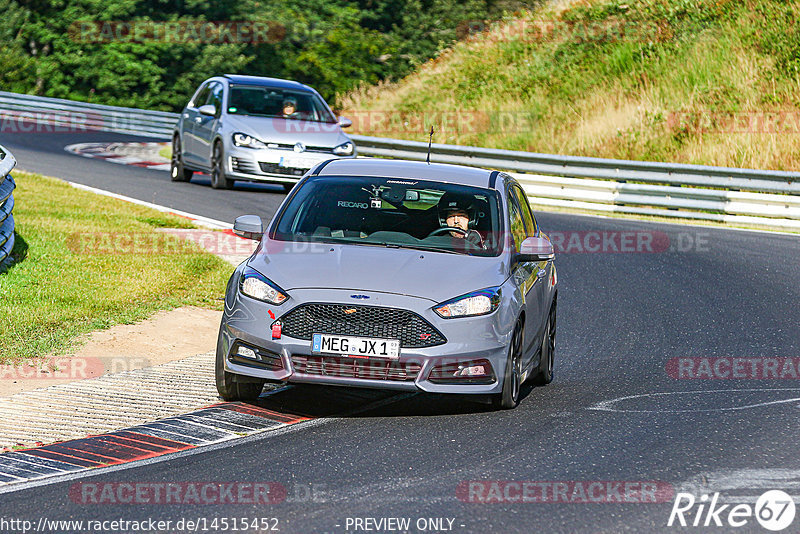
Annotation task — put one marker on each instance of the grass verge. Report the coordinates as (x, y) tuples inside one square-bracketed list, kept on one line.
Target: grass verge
[(58, 290), (713, 82)]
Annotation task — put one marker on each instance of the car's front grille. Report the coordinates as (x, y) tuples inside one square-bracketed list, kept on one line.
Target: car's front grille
[(274, 168), (285, 146), (364, 321), (371, 369)]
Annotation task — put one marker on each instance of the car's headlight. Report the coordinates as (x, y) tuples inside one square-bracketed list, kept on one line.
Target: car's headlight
[(240, 139), (476, 303), (345, 149), (257, 286)]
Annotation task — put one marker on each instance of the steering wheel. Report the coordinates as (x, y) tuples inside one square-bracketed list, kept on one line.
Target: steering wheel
[(444, 229)]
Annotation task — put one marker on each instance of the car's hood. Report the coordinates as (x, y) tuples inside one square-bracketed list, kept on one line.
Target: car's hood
[(288, 131), (432, 275)]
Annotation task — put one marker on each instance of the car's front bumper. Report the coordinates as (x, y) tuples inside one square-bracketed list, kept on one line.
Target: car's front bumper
[(273, 165), (468, 339)]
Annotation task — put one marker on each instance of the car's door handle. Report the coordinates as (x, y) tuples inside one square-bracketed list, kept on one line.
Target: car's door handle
[(198, 120), (541, 273)]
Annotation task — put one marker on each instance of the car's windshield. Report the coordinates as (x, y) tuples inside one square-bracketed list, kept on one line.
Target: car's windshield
[(393, 212), (277, 103)]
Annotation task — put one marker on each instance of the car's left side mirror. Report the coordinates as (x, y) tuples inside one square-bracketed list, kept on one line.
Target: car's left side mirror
[(249, 227), (344, 122), (535, 249)]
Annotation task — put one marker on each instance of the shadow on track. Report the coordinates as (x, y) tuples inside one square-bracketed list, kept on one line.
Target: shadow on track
[(327, 401)]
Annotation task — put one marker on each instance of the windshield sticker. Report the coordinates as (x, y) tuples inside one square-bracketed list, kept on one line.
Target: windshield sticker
[(375, 202), (346, 204)]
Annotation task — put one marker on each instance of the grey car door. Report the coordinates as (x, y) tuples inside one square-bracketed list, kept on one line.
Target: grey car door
[(524, 274), (191, 116), (206, 127), (540, 272)]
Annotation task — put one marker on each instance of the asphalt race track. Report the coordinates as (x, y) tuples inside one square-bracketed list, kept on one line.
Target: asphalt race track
[(619, 410)]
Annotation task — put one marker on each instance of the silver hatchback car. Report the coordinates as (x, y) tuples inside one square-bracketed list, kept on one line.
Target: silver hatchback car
[(256, 129), (393, 274)]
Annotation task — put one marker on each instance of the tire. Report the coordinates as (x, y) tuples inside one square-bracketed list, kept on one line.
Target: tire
[(548, 350), (218, 178), (512, 384), (177, 172), (230, 389)]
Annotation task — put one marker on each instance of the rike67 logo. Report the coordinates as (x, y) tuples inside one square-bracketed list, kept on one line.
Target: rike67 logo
[(774, 510)]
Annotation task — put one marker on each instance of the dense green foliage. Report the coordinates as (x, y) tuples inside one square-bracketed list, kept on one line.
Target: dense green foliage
[(334, 45)]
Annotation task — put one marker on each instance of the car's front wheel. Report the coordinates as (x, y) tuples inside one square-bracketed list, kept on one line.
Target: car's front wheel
[(218, 178), (512, 379), (177, 172), (548, 350), (230, 389)]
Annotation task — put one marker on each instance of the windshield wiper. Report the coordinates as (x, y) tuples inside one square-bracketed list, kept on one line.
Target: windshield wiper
[(390, 245), (423, 247)]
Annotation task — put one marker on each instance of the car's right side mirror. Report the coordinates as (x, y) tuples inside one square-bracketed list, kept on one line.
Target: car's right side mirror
[(535, 249), (344, 122), (208, 110), (249, 227)]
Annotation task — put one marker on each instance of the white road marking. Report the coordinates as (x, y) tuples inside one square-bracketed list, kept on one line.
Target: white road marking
[(609, 405)]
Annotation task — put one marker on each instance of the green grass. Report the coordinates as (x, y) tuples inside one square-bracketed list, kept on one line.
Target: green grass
[(58, 290), (165, 152), (655, 83)]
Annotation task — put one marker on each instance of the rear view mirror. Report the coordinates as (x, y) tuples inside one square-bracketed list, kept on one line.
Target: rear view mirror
[(249, 227), (535, 249)]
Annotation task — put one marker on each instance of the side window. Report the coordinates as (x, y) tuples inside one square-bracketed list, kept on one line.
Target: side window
[(201, 96), (515, 222), (216, 97), (527, 214)]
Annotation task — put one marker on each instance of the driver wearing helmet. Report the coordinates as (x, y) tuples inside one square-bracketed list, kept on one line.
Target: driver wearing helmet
[(457, 213), (289, 108)]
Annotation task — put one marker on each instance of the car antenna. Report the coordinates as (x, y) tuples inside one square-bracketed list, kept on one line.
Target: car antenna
[(430, 140)]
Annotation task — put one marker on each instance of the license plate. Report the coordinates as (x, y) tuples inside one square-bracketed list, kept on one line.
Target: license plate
[(355, 346), (297, 162)]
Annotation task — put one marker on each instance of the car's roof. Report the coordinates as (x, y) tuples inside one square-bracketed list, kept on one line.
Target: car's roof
[(240, 79), (419, 170)]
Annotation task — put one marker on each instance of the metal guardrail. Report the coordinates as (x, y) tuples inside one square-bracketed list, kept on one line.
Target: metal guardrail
[(7, 186), (725, 194)]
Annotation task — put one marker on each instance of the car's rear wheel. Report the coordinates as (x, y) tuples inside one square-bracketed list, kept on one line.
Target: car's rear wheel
[(230, 389), (218, 178), (512, 379), (548, 350), (177, 172)]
